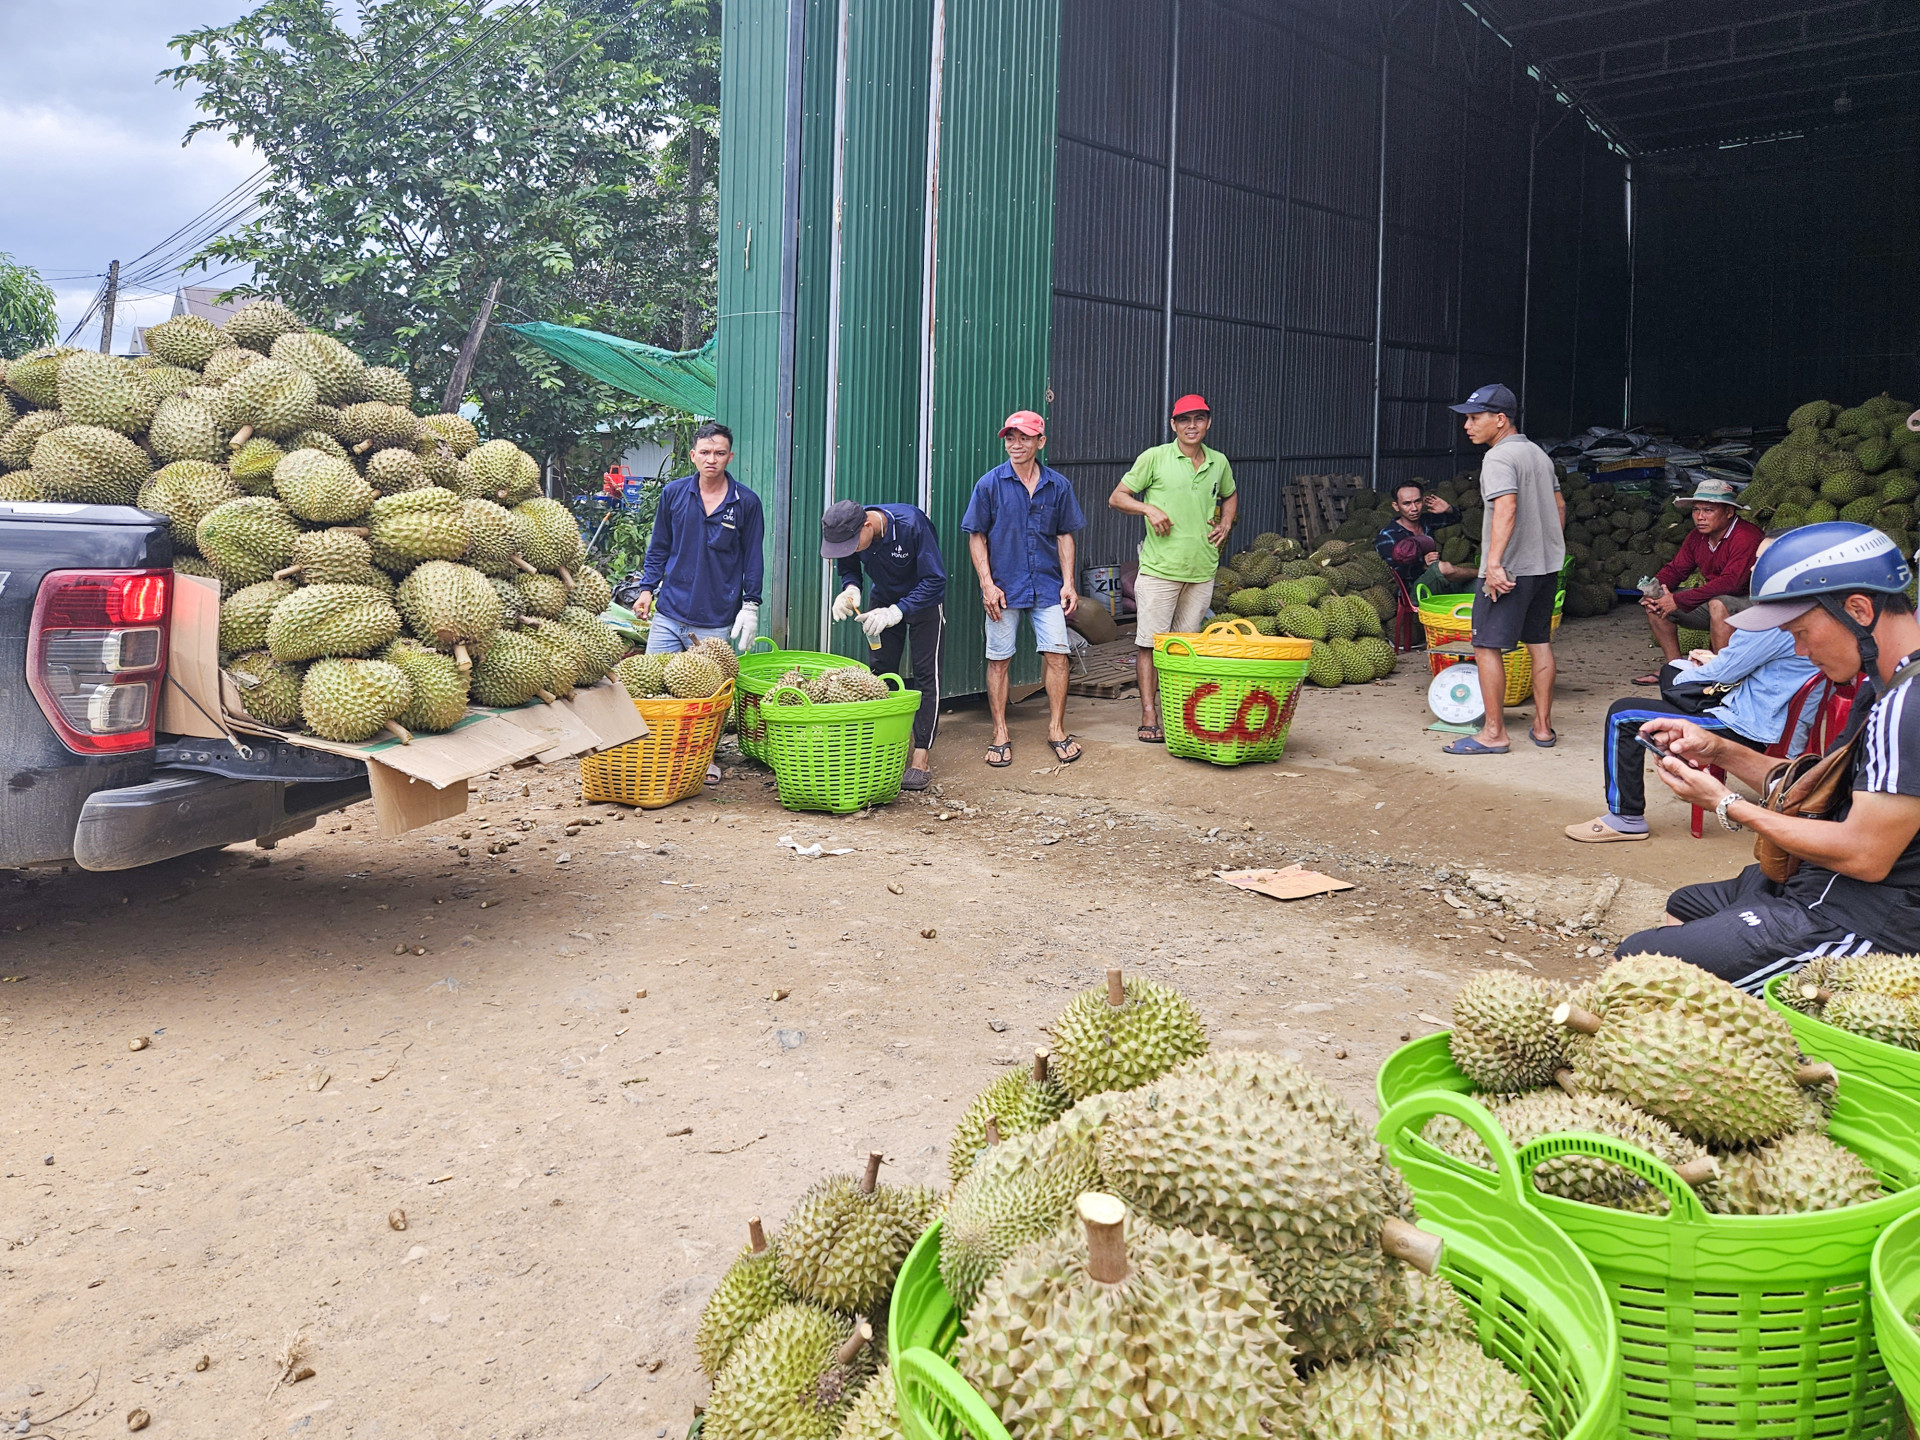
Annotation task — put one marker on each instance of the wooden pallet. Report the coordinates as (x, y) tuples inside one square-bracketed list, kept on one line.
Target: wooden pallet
[(1316, 505), (1109, 673)]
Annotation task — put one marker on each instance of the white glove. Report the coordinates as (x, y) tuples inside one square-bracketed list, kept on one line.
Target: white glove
[(746, 625), (875, 621), (847, 603)]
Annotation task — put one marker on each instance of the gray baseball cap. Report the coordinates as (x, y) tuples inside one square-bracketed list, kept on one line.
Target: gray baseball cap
[(840, 529)]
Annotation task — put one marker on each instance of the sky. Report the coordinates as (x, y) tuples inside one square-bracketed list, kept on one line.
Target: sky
[(92, 167)]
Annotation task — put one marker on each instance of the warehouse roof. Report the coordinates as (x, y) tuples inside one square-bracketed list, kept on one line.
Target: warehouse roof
[(1678, 74)]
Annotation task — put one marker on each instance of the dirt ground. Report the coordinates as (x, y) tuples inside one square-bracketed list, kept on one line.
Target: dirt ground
[(604, 1049)]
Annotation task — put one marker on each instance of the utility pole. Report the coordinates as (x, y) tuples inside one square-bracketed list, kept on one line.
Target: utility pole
[(106, 308), (469, 351)]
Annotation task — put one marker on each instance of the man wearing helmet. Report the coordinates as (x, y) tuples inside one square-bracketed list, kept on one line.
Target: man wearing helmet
[(1840, 590)]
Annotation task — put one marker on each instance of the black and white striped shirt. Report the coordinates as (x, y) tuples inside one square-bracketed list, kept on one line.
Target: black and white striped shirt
[(1887, 762)]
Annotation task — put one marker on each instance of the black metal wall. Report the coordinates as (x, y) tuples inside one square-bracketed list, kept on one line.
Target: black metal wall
[(1776, 273), (1276, 243)]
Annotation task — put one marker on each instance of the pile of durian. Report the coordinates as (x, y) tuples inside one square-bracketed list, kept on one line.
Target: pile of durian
[(1340, 597), (694, 674), (377, 569), (1877, 996), (1147, 1238), (842, 685), (1664, 1057), (1854, 463)]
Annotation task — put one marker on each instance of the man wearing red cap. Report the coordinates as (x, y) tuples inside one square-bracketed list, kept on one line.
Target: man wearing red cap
[(1184, 492), (1020, 526)]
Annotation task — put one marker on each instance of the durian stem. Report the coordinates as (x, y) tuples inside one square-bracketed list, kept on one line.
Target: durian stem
[(363, 447), (1815, 1072), (1698, 1171), (1819, 994), (461, 657), (1116, 989), (547, 697), (240, 437), (872, 1177), (521, 562), (1410, 1243), (565, 578), (1040, 1067), (360, 530), (1105, 1219), (992, 1130), (1566, 1080), (856, 1342), (1571, 1017), (399, 732), (289, 572), (757, 1236)]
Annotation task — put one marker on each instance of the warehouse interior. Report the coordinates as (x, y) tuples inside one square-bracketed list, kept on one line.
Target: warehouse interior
[(1330, 217)]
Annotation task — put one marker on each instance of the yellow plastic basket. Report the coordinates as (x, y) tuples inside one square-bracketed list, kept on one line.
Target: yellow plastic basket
[(667, 764), (1448, 620), (1236, 639)]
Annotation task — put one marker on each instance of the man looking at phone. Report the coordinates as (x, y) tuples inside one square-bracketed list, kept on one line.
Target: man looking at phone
[(1721, 547), (1852, 874)]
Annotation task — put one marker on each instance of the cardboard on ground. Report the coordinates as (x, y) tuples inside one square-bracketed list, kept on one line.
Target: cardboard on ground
[(413, 784), (1291, 883)]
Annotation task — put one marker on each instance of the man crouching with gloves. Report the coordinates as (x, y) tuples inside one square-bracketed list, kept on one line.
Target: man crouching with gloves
[(897, 547)]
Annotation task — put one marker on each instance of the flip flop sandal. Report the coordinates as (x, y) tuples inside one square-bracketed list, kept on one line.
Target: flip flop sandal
[(1060, 750), (1468, 745), (1598, 832), (1005, 754), (1646, 680), (1553, 739), (1150, 735)]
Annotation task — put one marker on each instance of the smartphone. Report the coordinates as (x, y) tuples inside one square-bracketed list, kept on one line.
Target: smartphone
[(1655, 746)]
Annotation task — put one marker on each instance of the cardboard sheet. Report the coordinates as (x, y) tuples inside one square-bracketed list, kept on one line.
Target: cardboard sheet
[(1292, 883), (610, 713), (190, 701), (402, 803)]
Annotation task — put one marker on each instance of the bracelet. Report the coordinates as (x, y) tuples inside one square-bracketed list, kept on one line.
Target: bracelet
[(1720, 813)]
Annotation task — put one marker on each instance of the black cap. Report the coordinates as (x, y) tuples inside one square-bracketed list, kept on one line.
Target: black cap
[(1487, 399), (840, 529)]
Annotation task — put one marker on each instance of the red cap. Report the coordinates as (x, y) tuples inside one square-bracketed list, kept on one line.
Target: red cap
[(1187, 404), (1026, 422)]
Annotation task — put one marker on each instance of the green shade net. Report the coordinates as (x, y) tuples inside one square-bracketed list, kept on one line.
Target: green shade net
[(681, 380)]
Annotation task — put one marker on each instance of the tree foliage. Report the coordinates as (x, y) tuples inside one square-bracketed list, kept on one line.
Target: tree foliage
[(27, 318), (434, 145)]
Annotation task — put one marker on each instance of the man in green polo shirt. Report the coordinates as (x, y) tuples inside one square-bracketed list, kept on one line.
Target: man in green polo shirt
[(1184, 492)]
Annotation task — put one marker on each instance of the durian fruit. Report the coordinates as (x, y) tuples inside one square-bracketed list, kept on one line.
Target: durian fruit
[(182, 564), (1124, 1036), (35, 376), (438, 464), (253, 464), (185, 340), (540, 595), (846, 684), (750, 1291), (1881, 974), (184, 492), (556, 545), (450, 607), (337, 556), (247, 539), (166, 380), (1018, 1190), (604, 646), (269, 688), (329, 422), (1640, 983), (592, 593), (496, 470), (511, 612), (642, 675), (320, 489), (184, 429), (876, 1411), (332, 621), (16, 444), (382, 382), (1886, 1018), (393, 469), (105, 390), (417, 525), (1258, 1152), (458, 432), (514, 670), (692, 676), (351, 701), (1441, 1388), (245, 614), (1355, 668), (1127, 1332), (1019, 1102), (89, 464), (259, 323), (572, 665), (226, 362), (376, 425), (711, 646), (337, 371), (793, 1376), (19, 485), (1504, 1038), (1378, 654), (844, 1242), (1793, 1175), (273, 399), (439, 686), (1806, 990)]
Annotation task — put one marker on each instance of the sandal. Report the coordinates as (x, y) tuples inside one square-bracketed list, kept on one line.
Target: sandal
[(1060, 750), (1150, 735), (1004, 754), (1646, 680), (1471, 745)]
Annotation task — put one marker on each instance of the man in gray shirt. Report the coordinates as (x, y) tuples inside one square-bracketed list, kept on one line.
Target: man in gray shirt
[(1522, 547)]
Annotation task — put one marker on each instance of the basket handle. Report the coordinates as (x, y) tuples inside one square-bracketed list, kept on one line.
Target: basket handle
[(898, 683), (759, 640), (1684, 1206), (1185, 645), (1231, 625), (951, 1407), (1403, 1122), (768, 698)]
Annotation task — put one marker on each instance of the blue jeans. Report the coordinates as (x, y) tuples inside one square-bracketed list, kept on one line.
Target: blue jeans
[(1049, 631), (668, 636)]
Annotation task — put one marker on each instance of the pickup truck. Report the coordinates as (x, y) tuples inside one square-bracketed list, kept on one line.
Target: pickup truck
[(87, 776)]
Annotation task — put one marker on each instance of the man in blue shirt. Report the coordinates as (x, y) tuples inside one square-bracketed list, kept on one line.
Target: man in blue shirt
[(901, 553), (1020, 526), (704, 557)]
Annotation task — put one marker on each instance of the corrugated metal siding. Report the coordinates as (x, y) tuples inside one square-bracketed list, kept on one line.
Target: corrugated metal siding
[(1791, 265)]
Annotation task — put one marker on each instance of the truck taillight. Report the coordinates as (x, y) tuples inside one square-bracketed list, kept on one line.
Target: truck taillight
[(97, 656)]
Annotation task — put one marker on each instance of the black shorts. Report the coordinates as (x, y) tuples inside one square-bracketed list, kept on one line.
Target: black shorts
[(1522, 616)]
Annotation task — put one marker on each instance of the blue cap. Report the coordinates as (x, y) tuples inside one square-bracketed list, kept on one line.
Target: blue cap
[(1488, 398)]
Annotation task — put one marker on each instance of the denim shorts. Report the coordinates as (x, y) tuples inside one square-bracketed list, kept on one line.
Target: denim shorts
[(668, 636), (1049, 631)]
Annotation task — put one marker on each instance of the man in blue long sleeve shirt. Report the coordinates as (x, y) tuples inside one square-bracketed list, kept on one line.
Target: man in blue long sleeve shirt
[(900, 551), (702, 575)]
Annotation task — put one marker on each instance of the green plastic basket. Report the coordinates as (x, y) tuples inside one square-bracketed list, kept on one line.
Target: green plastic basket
[(1732, 1327), (1896, 1295), (1538, 1305), (1891, 1065), (839, 758), (1226, 711), (760, 670)]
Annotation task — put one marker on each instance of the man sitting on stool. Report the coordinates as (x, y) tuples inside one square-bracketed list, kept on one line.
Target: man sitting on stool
[(1722, 548)]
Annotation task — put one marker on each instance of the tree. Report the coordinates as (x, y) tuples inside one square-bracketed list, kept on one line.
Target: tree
[(27, 319), (412, 159)]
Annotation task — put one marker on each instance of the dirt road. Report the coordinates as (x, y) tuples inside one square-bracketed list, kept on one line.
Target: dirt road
[(580, 1065)]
